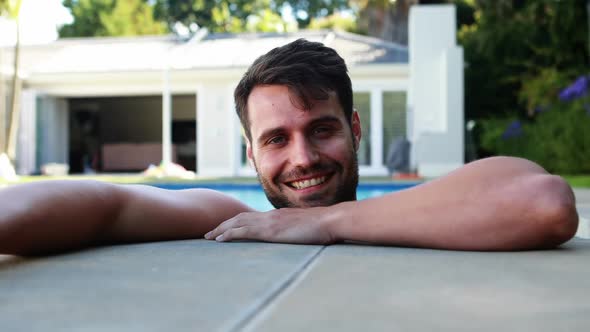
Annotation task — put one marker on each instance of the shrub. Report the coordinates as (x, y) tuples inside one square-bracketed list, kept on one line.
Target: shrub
[(557, 136)]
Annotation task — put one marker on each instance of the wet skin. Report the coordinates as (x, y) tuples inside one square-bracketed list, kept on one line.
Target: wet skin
[(303, 158)]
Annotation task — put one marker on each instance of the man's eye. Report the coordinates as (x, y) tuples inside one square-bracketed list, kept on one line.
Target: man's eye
[(276, 140), (321, 130)]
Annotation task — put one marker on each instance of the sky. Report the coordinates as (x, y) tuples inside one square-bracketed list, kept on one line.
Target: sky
[(39, 21)]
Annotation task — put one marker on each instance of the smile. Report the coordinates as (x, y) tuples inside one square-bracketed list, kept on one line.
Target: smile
[(308, 183)]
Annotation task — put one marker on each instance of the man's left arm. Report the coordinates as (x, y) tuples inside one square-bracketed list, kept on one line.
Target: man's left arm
[(498, 203)]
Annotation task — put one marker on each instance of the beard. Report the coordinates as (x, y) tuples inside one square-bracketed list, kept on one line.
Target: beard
[(345, 189)]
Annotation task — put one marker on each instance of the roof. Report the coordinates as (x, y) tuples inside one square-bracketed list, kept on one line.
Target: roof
[(203, 51)]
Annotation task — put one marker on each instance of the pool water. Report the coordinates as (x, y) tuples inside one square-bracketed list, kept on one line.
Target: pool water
[(253, 195)]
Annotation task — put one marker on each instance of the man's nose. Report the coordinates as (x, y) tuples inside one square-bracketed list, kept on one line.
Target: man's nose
[(303, 153)]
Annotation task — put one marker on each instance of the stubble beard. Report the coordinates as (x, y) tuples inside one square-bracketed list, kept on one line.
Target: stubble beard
[(345, 190)]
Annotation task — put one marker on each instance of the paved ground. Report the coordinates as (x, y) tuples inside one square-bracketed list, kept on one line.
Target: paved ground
[(206, 286), (582, 196)]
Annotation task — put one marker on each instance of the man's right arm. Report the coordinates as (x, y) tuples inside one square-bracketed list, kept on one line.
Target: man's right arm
[(52, 216)]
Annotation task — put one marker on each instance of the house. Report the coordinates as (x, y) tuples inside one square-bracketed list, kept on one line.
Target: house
[(118, 104)]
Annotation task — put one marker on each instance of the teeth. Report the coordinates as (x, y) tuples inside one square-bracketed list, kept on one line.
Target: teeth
[(308, 183)]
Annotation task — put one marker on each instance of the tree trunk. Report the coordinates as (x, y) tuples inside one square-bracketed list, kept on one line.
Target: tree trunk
[(387, 21), (3, 113), (588, 21), (15, 99)]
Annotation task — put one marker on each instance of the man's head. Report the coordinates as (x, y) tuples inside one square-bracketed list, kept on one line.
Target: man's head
[(295, 105)]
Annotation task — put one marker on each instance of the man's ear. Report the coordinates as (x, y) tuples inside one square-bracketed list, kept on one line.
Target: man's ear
[(356, 129)]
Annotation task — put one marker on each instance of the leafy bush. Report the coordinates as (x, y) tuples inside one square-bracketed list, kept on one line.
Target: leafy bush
[(557, 136)]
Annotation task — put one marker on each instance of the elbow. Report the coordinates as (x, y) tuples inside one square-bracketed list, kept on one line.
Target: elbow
[(558, 216)]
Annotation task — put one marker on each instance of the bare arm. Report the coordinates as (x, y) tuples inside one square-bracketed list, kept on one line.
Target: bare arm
[(46, 217), (492, 204)]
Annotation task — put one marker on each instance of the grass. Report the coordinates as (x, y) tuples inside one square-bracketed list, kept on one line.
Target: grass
[(578, 181)]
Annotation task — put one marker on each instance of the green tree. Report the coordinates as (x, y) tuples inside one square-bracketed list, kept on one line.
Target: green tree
[(306, 11), (131, 18), (267, 21), (11, 8), (384, 19), (215, 15), (86, 18), (388, 20), (111, 18), (520, 57), (512, 43), (334, 21), (239, 15)]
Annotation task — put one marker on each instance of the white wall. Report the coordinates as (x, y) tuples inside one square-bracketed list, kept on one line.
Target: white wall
[(216, 128), (435, 96)]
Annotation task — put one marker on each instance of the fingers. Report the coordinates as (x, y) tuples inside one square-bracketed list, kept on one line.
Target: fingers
[(284, 225), (235, 222), (240, 233), (212, 235)]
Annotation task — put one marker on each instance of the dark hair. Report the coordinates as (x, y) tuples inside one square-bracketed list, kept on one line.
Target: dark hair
[(309, 69)]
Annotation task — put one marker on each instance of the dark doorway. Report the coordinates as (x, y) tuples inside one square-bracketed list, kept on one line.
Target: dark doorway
[(124, 134)]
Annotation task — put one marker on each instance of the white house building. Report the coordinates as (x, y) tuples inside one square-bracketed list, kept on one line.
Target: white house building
[(115, 104)]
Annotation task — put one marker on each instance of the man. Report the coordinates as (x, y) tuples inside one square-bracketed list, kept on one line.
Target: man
[(295, 104)]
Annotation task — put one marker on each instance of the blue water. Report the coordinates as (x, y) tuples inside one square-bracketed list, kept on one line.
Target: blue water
[(253, 196)]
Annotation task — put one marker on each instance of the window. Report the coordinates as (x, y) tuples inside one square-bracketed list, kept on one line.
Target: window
[(362, 104), (394, 118)]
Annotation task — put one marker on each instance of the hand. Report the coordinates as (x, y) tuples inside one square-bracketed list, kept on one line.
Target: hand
[(287, 225)]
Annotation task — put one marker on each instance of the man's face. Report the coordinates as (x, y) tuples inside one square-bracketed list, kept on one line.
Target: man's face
[(303, 158)]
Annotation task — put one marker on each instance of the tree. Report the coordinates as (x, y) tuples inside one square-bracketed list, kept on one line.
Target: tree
[(336, 21), (384, 19), (137, 17), (238, 15), (521, 55), (3, 113), (131, 18), (511, 43), (11, 8), (216, 16), (306, 11), (388, 20), (111, 18), (267, 21)]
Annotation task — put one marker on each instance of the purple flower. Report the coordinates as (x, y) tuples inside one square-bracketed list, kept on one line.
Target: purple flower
[(576, 90), (514, 129)]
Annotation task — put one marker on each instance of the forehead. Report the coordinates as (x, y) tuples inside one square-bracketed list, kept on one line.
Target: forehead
[(274, 106)]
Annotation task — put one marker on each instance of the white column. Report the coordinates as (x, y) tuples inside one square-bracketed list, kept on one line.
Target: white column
[(166, 119), (236, 133), (376, 128), (215, 130), (436, 90), (27, 136), (200, 128), (54, 132)]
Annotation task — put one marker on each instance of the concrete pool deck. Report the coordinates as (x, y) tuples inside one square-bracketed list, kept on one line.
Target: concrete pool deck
[(200, 285)]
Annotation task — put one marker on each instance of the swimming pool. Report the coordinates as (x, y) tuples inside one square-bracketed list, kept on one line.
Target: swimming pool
[(253, 196)]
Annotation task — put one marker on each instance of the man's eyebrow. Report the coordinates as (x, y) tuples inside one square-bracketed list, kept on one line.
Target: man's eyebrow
[(325, 119), (269, 133)]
